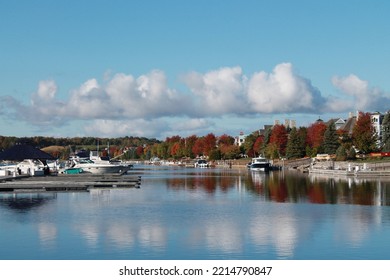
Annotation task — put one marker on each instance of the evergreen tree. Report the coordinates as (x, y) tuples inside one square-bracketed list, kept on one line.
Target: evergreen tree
[(295, 145), (331, 142), (341, 153), (386, 133)]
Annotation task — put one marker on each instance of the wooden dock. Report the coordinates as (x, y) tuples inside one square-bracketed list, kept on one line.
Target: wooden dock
[(352, 173), (64, 182)]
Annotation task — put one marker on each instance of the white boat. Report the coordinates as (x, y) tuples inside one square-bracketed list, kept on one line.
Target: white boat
[(31, 167), (98, 165), (259, 164), (201, 163)]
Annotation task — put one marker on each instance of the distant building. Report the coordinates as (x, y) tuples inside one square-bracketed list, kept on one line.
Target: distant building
[(290, 123), (263, 130), (287, 123), (376, 122), (338, 123), (239, 140)]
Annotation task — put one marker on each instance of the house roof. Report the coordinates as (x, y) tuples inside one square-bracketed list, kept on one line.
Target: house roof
[(348, 126), (24, 151)]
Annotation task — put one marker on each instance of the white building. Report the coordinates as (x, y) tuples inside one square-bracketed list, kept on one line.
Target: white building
[(376, 122), (239, 140)]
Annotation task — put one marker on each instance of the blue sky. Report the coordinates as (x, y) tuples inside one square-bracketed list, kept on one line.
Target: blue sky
[(163, 68)]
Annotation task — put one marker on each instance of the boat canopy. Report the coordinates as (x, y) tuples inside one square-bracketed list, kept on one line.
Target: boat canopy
[(24, 151)]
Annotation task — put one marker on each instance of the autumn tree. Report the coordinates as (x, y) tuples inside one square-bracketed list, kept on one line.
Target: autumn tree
[(363, 135), (248, 145), (258, 145), (225, 140), (279, 138), (175, 150), (188, 146), (198, 147), (315, 138), (227, 148), (209, 143), (230, 151)]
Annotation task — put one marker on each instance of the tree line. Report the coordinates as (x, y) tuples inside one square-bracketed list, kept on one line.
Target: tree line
[(276, 142)]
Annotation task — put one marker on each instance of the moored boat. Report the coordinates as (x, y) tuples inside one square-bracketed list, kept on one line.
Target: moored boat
[(97, 165), (202, 163), (259, 164)]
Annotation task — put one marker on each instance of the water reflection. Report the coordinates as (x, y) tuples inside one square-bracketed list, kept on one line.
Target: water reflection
[(293, 187), (208, 214), (22, 203)]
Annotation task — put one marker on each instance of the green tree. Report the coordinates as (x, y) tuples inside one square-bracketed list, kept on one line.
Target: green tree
[(331, 142), (341, 153), (272, 151), (215, 154), (295, 145)]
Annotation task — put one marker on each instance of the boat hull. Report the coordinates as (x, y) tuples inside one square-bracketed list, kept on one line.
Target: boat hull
[(102, 169), (260, 167)]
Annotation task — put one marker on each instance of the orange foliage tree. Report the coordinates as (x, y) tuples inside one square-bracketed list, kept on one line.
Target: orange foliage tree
[(279, 138), (315, 136)]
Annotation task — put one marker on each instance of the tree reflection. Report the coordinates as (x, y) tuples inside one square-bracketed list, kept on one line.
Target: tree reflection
[(25, 202), (288, 186)]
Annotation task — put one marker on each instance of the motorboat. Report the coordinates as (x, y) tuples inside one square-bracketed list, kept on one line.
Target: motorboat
[(97, 165), (202, 163), (31, 167), (259, 164)]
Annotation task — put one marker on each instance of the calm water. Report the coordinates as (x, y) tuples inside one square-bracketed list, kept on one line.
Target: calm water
[(186, 213)]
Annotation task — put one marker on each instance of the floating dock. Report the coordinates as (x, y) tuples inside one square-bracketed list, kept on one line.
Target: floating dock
[(64, 182), (352, 173)]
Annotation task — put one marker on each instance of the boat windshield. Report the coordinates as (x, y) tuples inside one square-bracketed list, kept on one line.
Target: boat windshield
[(259, 160)]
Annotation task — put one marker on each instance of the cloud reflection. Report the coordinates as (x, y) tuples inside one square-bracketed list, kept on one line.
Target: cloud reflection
[(47, 234), (278, 229)]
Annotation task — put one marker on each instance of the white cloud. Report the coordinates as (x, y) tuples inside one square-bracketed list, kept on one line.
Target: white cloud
[(218, 92), (46, 92), (122, 104), (364, 98), (136, 127), (282, 91), (192, 124)]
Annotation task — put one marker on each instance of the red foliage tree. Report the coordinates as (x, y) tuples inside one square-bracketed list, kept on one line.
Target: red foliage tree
[(363, 134), (210, 142), (315, 134), (139, 151), (279, 137), (198, 147), (189, 143), (258, 144), (175, 150), (226, 140)]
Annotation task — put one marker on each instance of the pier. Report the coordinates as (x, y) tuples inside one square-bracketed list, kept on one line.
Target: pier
[(65, 183)]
